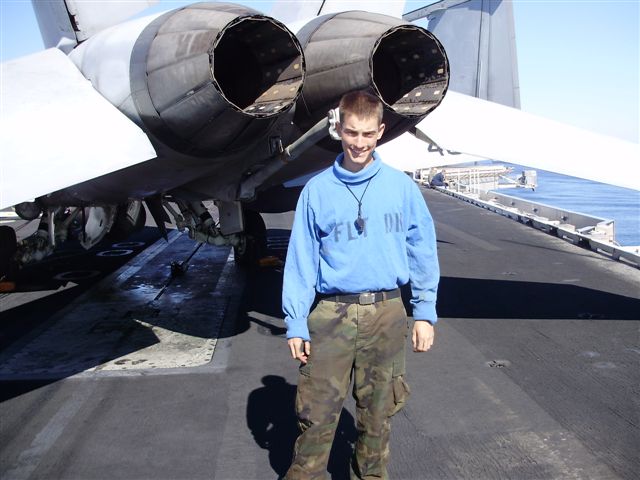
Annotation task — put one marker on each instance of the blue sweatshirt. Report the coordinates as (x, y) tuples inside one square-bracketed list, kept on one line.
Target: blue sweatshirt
[(328, 254)]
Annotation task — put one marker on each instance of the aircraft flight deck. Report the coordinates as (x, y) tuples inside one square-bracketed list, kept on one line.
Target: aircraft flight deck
[(152, 375)]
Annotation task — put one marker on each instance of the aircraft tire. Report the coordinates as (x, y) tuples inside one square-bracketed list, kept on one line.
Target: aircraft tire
[(255, 239), (8, 246)]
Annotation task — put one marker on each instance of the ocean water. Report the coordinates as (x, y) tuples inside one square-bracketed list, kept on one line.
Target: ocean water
[(584, 196)]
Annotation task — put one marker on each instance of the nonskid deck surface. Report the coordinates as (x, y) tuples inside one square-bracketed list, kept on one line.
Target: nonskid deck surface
[(534, 373), (140, 318)]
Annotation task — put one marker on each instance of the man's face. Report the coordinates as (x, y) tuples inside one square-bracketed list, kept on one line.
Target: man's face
[(359, 138)]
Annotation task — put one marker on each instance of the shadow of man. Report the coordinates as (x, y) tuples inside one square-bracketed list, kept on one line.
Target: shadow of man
[(271, 418)]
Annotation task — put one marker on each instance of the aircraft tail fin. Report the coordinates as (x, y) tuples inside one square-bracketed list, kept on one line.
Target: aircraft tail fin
[(65, 23), (479, 38)]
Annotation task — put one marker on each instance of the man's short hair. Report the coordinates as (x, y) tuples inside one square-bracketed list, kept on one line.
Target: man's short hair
[(361, 104)]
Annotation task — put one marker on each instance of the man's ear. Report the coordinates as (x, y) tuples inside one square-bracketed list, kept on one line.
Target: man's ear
[(380, 131)]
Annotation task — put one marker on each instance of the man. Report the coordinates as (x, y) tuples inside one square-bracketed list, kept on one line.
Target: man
[(438, 180), (361, 230)]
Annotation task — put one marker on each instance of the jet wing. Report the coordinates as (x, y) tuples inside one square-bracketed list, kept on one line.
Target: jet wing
[(57, 131), (477, 127), (408, 153)]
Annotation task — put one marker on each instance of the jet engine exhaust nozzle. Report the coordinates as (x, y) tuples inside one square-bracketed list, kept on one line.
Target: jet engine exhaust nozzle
[(211, 78), (410, 71), (403, 64)]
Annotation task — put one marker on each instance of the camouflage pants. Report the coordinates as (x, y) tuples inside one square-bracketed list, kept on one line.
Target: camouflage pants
[(366, 342)]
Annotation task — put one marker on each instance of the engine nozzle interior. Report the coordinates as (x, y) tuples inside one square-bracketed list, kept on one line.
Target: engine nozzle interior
[(410, 70), (257, 66)]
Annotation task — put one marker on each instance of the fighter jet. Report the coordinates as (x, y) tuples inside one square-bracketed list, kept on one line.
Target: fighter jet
[(205, 102), (217, 101)]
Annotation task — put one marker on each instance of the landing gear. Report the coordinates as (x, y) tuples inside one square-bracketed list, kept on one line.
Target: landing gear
[(130, 218), (253, 243)]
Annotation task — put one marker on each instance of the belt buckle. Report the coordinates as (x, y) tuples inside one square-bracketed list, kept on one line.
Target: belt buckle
[(367, 298)]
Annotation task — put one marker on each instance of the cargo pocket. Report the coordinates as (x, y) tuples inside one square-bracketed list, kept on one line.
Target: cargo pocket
[(400, 389), (400, 394)]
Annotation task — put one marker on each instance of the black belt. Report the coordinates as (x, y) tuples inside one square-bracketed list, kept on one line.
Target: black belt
[(365, 298)]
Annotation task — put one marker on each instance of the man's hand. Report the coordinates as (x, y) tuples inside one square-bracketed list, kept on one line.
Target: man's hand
[(300, 349), (422, 337)]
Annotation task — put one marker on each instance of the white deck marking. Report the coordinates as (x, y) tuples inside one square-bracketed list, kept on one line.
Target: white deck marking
[(147, 324)]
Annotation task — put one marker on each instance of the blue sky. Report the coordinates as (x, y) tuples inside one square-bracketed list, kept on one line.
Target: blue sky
[(578, 60)]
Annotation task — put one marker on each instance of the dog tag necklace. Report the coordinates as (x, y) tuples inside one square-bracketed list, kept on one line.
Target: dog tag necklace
[(359, 223)]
